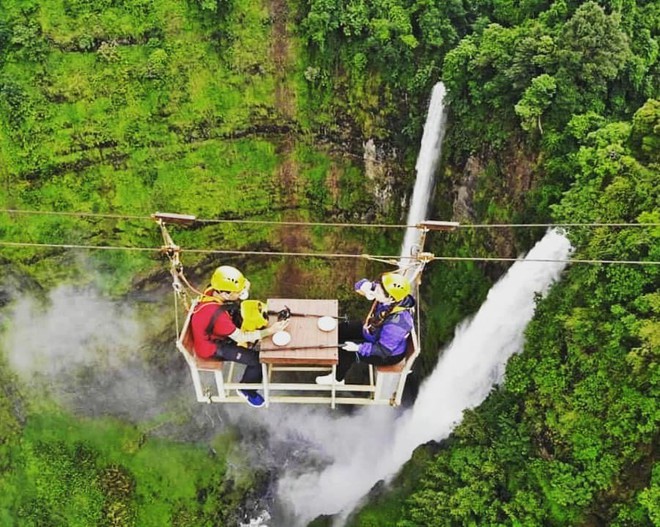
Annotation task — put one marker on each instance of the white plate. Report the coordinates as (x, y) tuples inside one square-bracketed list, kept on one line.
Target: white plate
[(327, 323), (281, 338)]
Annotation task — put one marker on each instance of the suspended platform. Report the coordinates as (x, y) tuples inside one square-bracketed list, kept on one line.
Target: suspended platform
[(289, 371)]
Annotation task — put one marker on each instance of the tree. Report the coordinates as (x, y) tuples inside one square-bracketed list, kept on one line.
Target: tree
[(535, 101), (645, 135), (595, 48)]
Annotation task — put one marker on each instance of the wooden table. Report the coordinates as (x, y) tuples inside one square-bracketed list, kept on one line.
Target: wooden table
[(320, 347)]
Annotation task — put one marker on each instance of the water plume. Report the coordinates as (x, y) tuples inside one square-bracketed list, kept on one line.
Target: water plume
[(73, 328), (427, 162), (374, 443), (93, 354)]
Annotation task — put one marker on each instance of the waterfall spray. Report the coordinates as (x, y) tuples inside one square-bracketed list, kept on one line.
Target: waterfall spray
[(427, 161), (477, 356), (373, 444)]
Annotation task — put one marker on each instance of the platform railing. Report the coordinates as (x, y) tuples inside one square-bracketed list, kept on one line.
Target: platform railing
[(385, 385)]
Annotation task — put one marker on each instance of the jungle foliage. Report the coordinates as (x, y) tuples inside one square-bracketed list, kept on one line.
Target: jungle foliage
[(523, 83), (128, 107), (68, 471), (571, 437), (118, 109)]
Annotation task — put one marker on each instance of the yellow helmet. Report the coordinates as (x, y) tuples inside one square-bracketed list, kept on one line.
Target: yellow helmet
[(395, 285), (227, 278)]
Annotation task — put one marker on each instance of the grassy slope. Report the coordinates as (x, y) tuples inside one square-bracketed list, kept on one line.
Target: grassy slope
[(126, 108), (141, 107)]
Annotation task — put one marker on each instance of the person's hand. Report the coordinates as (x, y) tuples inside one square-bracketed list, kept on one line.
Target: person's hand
[(350, 346), (280, 325), (284, 314)]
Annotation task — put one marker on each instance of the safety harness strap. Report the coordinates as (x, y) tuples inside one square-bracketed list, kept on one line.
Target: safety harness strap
[(214, 318)]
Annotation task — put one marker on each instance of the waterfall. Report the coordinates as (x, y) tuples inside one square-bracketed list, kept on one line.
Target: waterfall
[(427, 161), (476, 358), (374, 443)]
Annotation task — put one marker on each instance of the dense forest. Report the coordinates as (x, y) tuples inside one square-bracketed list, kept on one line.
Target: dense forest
[(239, 110)]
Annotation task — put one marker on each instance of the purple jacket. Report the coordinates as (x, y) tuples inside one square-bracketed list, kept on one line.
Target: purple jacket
[(389, 338)]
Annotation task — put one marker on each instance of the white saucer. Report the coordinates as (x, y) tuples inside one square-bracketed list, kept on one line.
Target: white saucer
[(327, 323), (281, 338)]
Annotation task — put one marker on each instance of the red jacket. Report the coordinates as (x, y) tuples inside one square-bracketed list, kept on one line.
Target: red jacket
[(224, 326)]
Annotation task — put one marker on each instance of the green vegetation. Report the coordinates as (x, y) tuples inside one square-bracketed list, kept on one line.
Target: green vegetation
[(258, 111), (554, 117), (571, 437), (67, 471), (129, 108), (120, 109)]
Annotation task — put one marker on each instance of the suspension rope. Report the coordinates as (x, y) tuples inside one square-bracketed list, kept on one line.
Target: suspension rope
[(331, 224), (392, 259), (550, 225), (176, 312), (77, 214), (311, 223), (75, 246)]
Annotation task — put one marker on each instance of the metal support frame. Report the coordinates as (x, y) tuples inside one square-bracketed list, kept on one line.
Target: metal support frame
[(374, 393), (384, 387)]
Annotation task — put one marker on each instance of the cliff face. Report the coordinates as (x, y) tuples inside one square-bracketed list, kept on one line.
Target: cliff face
[(202, 111), (280, 113), (494, 189)]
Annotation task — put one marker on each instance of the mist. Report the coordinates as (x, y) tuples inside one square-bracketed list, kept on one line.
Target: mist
[(98, 356), (372, 444), (73, 328), (94, 355)]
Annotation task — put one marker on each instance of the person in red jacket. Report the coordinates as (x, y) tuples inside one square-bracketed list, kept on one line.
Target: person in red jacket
[(216, 328)]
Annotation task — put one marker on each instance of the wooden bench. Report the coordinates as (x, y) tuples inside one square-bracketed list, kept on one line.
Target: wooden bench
[(201, 364), (390, 380), (398, 367), (196, 364), (208, 364)]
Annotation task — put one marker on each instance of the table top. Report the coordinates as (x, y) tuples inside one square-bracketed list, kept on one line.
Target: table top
[(304, 333)]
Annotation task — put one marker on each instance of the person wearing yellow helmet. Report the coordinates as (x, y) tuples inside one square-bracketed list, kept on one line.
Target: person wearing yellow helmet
[(228, 279), (216, 328), (380, 339), (395, 285)]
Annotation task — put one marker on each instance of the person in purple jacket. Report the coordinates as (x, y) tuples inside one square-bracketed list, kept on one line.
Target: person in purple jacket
[(382, 338)]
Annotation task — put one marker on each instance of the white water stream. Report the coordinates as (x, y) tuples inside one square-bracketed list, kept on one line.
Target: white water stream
[(353, 452), (427, 162), (374, 443)]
